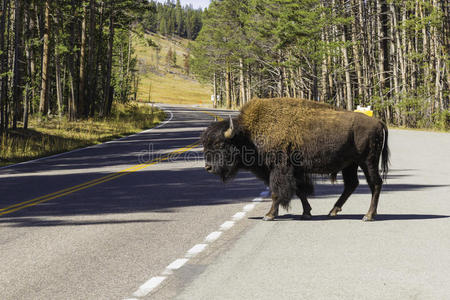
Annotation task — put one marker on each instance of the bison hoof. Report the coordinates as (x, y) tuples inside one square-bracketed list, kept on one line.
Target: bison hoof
[(306, 217), (368, 218), (268, 218), (334, 211)]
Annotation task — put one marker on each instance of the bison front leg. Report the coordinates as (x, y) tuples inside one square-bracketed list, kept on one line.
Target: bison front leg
[(282, 185), (273, 211)]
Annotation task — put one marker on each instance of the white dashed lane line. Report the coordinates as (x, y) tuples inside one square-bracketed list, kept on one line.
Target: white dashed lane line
[(154, 282)]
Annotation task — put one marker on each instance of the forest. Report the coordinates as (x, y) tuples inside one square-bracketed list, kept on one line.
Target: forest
[(389, 54), (72, 59)]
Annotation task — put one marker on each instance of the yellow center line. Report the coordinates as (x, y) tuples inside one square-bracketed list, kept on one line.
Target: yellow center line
[(64, 190), (88, 184)]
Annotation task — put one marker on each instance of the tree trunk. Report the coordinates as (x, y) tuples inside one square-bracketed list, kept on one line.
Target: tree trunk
[(228, 86), (302, 84), (395, 58), (248, 84), (59, 94), (356, 57), (18, 61), (127, 72), (348, 83), (81, 89), (383, 51), (437, 49), (108, 97), (43, 104), (29, 87), (91, 65), (241, 82), (365, 49), (323, 78), (72, 105), (3, 67), (292, 83), (214, 91)]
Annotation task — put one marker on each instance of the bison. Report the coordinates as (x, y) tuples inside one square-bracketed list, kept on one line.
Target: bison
[(286, 141)]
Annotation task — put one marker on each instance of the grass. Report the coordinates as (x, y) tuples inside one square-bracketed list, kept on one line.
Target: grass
[(55, 136), (172, 89), (167, 83)]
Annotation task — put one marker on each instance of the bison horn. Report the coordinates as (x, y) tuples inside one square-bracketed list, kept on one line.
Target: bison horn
[(230, 131)]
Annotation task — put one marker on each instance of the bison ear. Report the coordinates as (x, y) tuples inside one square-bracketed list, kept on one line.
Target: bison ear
[(229, 134)]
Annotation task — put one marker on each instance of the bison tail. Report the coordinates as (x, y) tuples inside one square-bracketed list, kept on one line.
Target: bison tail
[(286, 204), (385, 153)]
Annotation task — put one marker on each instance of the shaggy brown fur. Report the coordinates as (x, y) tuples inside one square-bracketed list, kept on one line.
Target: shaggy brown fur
[(285, 122)]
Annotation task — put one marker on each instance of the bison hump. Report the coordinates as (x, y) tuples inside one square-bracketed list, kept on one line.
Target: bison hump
[(286, 123)]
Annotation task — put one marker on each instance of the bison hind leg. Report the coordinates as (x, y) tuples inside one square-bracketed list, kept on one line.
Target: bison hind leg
[(350, 176), (375, 182), (306, 207)]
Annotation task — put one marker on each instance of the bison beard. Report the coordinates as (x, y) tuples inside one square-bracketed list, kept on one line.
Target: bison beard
[(284, 141)]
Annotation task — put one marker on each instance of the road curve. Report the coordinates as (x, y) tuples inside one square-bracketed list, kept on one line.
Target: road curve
[(90, 234)]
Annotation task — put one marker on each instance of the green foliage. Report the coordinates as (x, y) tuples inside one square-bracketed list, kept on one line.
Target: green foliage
[(173, 19), (327, 50), (442, 120)]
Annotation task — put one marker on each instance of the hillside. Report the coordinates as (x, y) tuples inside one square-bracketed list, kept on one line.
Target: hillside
[(167, 82)]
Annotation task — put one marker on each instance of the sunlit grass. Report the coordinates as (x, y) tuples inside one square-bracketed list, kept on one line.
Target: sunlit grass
[(55, 136), (173, 89), (166, 83)]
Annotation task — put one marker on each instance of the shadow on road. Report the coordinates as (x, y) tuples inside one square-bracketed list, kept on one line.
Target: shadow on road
[(160, 191), (36, 222), (380, 217), (147, 191)]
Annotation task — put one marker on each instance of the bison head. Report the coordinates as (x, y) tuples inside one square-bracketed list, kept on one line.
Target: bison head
[(221, 154)]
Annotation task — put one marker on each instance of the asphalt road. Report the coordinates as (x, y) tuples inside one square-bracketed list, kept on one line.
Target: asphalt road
[(106, 240), (91, 231)]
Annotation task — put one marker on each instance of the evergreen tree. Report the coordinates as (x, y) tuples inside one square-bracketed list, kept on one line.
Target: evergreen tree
[(392, 55)]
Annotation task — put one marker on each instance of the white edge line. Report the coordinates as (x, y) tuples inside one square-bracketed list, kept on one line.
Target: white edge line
[(92, 146), (175, 265), (149, 286), (259, 199), (238, 216), (196, 250), (227, 225), (249, 207), (213, 236)]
